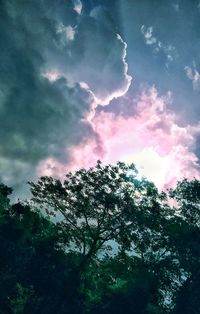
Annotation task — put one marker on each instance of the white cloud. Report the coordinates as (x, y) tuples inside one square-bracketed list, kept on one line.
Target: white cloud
[(157, 45), (162, 150), (148, 35), (70, 32), (78, 6), (91, 52), (193, 75), (67, 33)]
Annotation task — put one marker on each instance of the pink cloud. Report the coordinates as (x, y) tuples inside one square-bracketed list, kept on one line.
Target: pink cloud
[(151, 138)]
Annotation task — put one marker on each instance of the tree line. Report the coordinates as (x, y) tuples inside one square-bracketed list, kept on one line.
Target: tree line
[(102, 241)]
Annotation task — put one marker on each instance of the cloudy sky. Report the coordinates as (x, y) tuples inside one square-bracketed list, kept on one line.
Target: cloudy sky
[(98, 79)]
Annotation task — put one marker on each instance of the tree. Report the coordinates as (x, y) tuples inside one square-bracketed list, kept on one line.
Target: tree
[(36, 275), (92, 204), (104, 204), (187, 196), (186, 240), (5, 191), (64, 264)]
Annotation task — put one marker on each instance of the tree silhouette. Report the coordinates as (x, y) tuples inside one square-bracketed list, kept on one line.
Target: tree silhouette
[(108, 243), (92, 204)]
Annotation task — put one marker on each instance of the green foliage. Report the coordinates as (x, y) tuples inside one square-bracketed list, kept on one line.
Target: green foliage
[(187, 195), (110, 243), (92, 204), (35, 274), (4, 200), (21, 298)]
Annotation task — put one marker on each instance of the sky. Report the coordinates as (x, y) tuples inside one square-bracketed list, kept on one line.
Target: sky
[(115, 80)]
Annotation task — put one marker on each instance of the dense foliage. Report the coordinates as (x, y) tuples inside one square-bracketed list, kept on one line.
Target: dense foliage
[(102, 241)]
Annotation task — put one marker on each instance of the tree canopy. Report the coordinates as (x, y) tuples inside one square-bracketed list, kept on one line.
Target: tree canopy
[(101, 241)]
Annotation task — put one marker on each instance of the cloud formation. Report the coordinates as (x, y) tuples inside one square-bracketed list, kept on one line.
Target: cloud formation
[(95, 55), (194, 76), (162, 150), (158, 46), (56, 63), (61, 59)]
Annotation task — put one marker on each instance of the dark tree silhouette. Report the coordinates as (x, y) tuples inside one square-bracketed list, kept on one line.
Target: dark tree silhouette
[(108, 243)]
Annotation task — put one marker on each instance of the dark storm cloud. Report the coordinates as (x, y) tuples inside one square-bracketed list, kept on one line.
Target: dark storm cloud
[(40, 118), (37, 117)]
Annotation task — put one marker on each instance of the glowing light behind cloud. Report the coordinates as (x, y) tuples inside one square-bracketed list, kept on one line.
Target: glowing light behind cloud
[(70, 58), (161, 149), (52, 75)]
